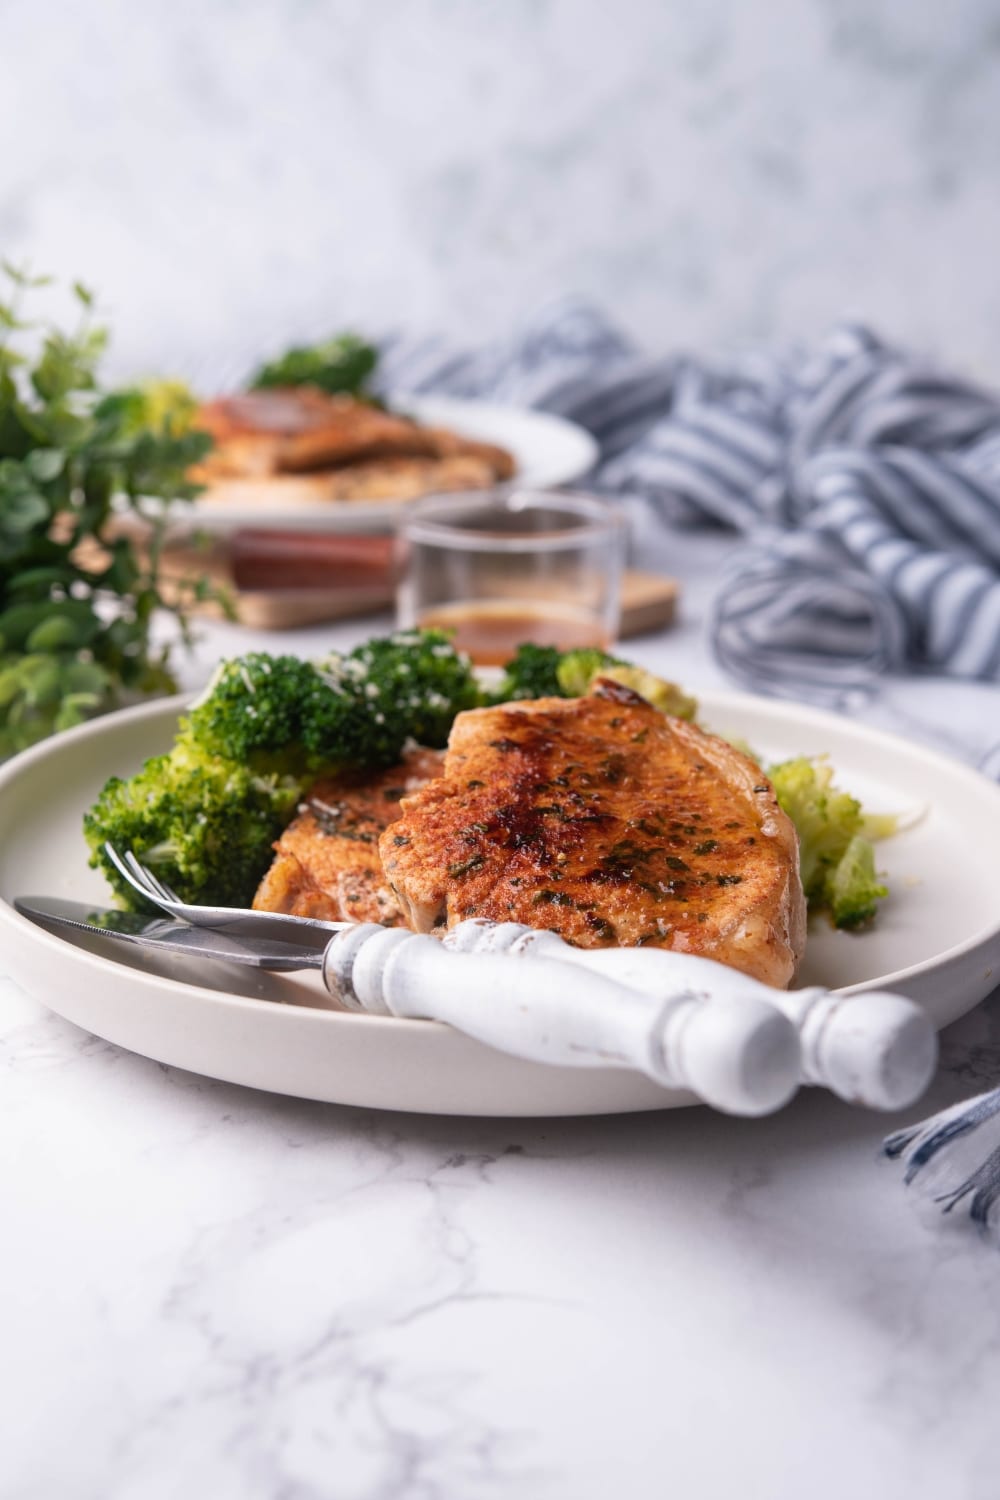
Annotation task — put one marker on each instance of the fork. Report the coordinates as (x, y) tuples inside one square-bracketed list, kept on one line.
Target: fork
[(233, 919)]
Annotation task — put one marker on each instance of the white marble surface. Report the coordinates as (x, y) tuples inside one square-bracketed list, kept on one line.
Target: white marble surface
[(234, 175), (212, 1291)]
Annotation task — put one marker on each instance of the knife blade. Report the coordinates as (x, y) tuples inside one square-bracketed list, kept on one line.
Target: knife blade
[(167, 933)]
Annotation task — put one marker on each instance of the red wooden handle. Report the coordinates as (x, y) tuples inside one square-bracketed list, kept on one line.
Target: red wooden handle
[(266, 561)]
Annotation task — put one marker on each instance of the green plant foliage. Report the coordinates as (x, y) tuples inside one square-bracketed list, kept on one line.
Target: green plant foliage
[(77, 600)]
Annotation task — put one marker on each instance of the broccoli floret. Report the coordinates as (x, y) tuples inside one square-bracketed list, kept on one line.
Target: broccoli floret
[(825, 818), (852, 888), (531, 673), (274, 713), (578, 669), (205, 816), (836, 861), (283, 716), (546, 672), (409, 686), (204, 824), (666, 696)]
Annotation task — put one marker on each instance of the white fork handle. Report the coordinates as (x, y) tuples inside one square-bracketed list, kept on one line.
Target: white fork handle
[(872, 1048), (733, 1052)]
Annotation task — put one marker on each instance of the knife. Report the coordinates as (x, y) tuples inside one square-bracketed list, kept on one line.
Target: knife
[(306, 952), (728, 1046)]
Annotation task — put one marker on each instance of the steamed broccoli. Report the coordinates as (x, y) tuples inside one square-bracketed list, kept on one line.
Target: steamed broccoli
[(409, 685), (577, 670), (547, 672), (205, 816), (836, 860), (852, 887), (204, 824), (531, 673), (281, 715), (274, 713)]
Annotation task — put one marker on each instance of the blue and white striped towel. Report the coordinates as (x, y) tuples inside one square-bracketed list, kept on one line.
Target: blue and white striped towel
[(865, 481), (867, 486)]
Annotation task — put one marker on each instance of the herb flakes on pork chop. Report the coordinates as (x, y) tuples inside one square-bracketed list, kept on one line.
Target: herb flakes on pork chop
[(608, 822)]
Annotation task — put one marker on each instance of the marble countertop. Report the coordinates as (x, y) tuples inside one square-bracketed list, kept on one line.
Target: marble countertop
[(220, 1292)]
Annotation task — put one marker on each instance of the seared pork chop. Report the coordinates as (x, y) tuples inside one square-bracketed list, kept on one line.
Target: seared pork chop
[(326, 862), (302, 430), (608, 822)]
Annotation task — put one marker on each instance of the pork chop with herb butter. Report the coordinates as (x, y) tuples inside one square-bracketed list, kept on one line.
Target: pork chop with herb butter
[(608, 822)]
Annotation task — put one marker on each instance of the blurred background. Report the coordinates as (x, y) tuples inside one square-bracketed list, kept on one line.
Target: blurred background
[(234, 176)]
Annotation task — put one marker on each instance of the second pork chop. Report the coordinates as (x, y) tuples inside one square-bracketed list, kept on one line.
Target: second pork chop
[(326, 863), (608, 822)]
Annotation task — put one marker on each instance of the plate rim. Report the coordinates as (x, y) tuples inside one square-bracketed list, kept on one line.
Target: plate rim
[(176, 703)]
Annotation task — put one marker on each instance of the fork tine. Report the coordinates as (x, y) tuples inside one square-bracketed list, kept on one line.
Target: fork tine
[(138, 871), (153, 881), (154, 891), (126, 872), (145, 874), (170, 893)]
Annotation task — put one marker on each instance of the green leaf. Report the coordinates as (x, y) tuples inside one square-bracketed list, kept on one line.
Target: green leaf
[(42, 684), (124, 569), (9, 319), (61, 632), (10, 680), (86, 677), (21, 622), (166, 407), (22, 277), (75, 708), (42, 579), (20, 514), (45, 464), (17, 623)]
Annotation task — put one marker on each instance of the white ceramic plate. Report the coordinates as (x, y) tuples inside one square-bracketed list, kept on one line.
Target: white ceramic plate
[(548, 450), (937, 937)]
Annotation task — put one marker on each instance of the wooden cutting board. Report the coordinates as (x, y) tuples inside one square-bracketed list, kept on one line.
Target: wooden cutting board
[(649, 602)]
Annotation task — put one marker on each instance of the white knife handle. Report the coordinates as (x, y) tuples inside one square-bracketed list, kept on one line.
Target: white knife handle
[(870, 1048), (741, 1057)]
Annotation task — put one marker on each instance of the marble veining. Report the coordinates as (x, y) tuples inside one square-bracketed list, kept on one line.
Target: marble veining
[(219, 1291)]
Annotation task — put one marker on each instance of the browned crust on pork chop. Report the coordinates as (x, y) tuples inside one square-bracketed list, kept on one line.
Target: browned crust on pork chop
[(326, 862), (610, 823)]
